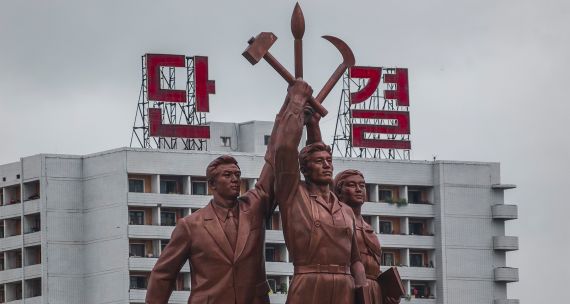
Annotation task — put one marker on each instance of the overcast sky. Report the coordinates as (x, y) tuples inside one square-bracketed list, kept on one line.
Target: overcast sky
[(488, 82)]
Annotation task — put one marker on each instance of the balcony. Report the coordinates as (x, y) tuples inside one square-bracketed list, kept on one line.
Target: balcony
[(278, 298), (419, 301), (33, 271), (503, 186), (146, 264), (150, 232), (415, 273), (411, 210), (506, 274), (12, 210), (177, 297), (507, 243), (11, 242), (30, 207), (168, 200), (504, 212), (407, 241), (274, 236), (279, 268), (506, 301), (10, 275)]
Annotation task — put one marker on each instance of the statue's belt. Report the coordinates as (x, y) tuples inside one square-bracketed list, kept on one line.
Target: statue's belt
[(318, 268)]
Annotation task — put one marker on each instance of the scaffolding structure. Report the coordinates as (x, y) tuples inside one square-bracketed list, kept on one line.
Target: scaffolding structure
[(172, 112), (342, 141)]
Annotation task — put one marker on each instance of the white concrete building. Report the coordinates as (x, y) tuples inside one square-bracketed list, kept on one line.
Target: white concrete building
[(88, 229)]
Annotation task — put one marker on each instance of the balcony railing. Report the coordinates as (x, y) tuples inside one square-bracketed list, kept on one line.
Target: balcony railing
[(505, 212), (506, 301), (12, 210), (168, 200), (411, 210), (146, 264), (279, 268), (150, 232), (506, 243), (414, 273), (177, 297), (407, 241), (506, 274)]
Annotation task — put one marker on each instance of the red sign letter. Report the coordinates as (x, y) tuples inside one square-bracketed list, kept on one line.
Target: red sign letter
[(156, 128), (402, 127), (373, 74), (153, 64), (204, 87), (401, 92)]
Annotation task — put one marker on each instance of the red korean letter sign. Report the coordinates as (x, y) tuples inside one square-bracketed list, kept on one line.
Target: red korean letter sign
[(203, 86), (402, 118)]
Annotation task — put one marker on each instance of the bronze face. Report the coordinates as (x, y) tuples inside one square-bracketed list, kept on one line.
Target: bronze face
[(353, 191), (319, 168), (227, 181)]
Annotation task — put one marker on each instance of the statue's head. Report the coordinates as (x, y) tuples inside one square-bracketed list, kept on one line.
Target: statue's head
[(350, 187), (315, 161), (223, 175)]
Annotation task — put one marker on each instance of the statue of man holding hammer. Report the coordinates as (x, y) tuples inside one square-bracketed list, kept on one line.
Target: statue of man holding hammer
[(318, 228)]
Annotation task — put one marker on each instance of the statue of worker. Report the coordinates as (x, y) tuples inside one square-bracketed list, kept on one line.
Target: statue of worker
[(224, 241), (350, 187), (319, 230)]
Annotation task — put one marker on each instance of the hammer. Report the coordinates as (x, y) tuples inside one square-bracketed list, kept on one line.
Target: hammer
[(259, 48)]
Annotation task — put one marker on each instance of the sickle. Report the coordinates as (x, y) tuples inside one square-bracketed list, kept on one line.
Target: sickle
[(347, 62)]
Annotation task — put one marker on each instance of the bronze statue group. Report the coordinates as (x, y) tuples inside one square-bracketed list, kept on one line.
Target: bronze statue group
[(335, 253)]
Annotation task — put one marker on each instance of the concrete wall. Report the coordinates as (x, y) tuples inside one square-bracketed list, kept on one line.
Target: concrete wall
[(465, 254), (62, 229), (106, 230)]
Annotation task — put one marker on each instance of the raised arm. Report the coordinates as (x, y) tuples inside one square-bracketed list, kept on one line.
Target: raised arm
[(287, 139), (266, 182), (163, 276), (313, 128)]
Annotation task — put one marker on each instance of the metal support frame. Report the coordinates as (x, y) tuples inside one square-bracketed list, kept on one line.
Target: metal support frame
[(342, 141), (172, 113)]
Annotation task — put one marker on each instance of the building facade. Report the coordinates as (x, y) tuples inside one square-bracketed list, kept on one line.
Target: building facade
[(88, 229)]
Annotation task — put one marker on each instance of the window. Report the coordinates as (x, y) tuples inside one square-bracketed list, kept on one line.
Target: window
[(272, 285), (163, 244), (414, 196), (136, 217), (388, 259), (266, 139), (137, 282), (367, 219), (416, 259), (168, 187), (385, 195), (199, 188), (136, 185), (385, 227), (167, 218), (269, 254), (137, 250), (226, 141), (416, 228)]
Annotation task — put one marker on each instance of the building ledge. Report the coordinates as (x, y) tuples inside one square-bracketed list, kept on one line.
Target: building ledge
[(506, 274), (506, 301), (507, 243), (504, 212), (503, 186)]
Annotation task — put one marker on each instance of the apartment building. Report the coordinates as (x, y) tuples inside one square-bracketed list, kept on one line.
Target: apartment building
[(88, 229)]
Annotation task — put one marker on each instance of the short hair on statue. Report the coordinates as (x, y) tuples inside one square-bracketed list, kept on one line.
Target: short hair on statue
[(306, 152), (212, 170), (339, 179)]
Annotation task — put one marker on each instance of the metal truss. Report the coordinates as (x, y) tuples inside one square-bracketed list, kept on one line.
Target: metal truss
[(342, 141), (172, 113)]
